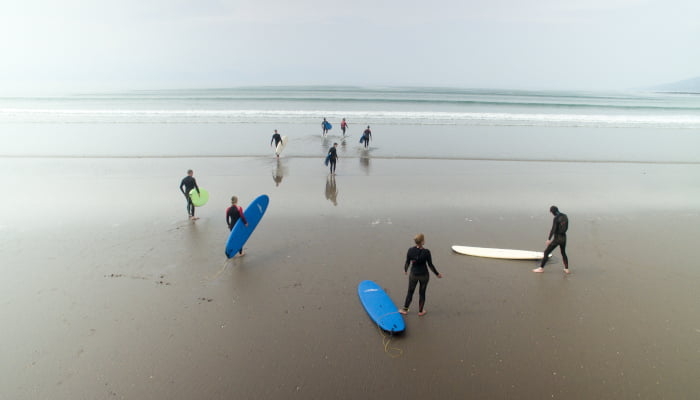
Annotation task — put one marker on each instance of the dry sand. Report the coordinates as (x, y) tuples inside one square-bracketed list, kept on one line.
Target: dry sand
[(109, 292)]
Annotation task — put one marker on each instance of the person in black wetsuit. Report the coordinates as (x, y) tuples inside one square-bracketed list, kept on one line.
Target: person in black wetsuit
[(366, 136), (557, 237), (277, 138), (186, 185), (419, 259), (333, 152), (233, 214)]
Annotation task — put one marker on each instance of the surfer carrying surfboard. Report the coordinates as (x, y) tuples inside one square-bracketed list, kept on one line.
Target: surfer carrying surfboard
[(233, 214), (186, 185), (326, 126), (557, 237), (276, 138), (366, 136), (419, 259), (333, 157)]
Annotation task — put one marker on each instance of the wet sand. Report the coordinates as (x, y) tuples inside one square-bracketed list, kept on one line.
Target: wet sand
[(109, 291)]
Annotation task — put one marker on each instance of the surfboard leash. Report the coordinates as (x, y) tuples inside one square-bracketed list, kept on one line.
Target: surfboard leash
[(393, 352)]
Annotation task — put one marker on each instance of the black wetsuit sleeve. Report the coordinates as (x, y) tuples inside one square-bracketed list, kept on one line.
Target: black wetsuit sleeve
[(182, 187), (408, 261), (553, 231), (429, 259)]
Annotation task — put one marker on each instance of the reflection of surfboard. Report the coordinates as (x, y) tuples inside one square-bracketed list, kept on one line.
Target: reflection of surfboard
[(280, 145), (199, 199), (328, 159), (380, 307), (327, 125), (240, 233), (499, 253)]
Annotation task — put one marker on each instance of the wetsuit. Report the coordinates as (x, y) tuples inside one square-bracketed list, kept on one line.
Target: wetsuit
[(233, 214), (334, 157), (277, 138), (557, 235), (189, 183), (419, 260), (366, 135)]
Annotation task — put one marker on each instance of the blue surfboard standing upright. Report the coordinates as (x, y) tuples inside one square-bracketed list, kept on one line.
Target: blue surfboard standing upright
[(380, 308), (240, 233)]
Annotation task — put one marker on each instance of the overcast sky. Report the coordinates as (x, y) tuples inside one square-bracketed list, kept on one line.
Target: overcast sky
[(79, 45)]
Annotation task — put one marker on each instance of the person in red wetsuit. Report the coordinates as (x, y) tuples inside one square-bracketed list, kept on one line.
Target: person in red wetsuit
[(343, 126), (233, 214)]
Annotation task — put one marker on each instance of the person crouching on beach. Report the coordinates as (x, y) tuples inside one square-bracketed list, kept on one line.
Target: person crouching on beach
[(419, 259), (557, 237), (233, 214)]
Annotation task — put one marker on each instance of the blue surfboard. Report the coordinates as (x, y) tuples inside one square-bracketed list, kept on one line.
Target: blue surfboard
[(380, 308), (240, 233), (328, 125), (328, 159)]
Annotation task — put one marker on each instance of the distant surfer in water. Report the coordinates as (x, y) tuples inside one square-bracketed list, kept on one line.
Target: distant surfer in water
[(366, 136), (343, 126), (277, 138), (186, 185), (233, 214), (325, 126), (419, 259), (333, 157), (557, 237)]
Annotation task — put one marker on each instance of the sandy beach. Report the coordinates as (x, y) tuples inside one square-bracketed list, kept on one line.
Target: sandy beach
[(109, 292)]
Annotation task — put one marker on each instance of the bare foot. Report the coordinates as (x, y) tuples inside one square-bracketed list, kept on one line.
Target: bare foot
[(567, 270), (195, 218), (422, 313), (403, 311), (540, 270)]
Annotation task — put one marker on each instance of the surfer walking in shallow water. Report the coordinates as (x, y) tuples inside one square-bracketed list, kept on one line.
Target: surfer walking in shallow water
[(276, 138), (333, 157), (366, 136), (186, 185), (343, 126), (326, 126), (419, 259), (557, 237)]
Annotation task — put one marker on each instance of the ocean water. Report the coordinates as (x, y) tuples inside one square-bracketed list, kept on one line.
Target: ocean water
[(406, 123)]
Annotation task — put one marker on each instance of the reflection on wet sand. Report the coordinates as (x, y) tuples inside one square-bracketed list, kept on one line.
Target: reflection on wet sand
[(331, 190), (279, 170), (364, 161)]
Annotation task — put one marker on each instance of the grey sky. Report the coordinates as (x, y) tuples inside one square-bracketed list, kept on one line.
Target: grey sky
[(540, 44)]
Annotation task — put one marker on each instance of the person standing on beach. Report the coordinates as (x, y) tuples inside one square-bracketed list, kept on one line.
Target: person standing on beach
[(333, 157), (277, 138), (186, 185), (419, 259), (325, 124), (343, 126), (366, 136), (557, 237), (233, 214)]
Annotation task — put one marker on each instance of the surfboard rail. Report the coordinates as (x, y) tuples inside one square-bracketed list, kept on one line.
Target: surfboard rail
[(506, 254)]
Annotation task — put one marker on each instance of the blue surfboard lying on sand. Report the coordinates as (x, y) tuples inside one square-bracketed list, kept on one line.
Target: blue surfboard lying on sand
[(240, 233), (380, 307)]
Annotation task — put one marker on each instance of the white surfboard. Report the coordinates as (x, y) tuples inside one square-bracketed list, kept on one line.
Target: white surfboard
[(498, 253), (281, 145)]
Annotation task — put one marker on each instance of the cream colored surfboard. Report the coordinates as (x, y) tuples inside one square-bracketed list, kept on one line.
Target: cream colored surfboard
[(508, 254)]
